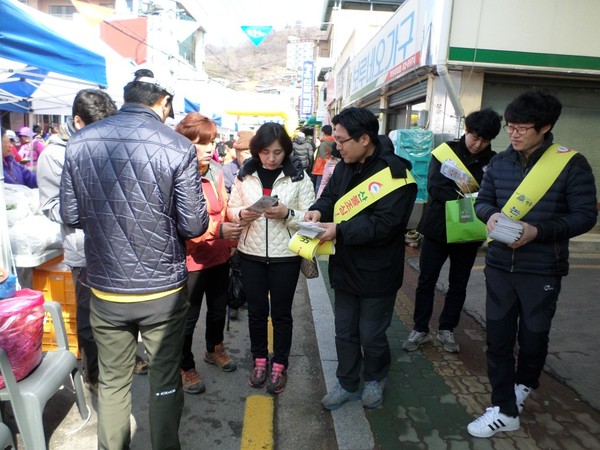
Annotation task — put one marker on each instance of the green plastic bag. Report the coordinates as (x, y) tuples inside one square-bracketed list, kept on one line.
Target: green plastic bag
[(462, 225)]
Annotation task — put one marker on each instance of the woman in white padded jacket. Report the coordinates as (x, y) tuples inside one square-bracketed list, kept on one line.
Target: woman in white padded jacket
[(270, 271)]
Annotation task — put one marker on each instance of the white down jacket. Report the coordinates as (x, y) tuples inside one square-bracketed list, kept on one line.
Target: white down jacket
[(266, 239)]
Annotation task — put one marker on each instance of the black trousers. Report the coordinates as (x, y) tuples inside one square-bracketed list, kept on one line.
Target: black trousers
[(211, 282), (433, 256), (360, 337), (85, 337), (270, 287), (519, 308)]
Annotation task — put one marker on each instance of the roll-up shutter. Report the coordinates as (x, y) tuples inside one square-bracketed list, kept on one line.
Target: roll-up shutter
[(577, 126), (410, 94), (374, 108)]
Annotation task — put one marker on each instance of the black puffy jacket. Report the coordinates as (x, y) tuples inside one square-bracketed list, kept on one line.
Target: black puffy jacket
[(369, 247), (133, 185), (441, 189), (568, 209)]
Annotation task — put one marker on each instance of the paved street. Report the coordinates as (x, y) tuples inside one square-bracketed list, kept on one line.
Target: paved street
[(431, 395)]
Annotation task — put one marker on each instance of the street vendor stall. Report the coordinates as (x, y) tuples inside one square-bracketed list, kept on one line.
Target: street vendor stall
[(34, 54)]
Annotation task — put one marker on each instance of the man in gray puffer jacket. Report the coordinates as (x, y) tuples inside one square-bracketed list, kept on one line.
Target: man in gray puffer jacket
[(303, 151), (132, 184), (89, 106)]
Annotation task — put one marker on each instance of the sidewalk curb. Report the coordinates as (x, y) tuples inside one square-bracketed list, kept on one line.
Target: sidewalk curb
[(352, 429)]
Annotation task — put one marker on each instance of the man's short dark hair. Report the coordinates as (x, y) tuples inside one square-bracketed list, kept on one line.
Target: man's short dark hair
[(538, 107), (327, 130), (485, 123), (358, 121), (92, 105)]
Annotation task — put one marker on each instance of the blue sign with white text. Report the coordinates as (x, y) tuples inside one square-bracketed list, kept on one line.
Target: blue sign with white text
[(257, 34), (308, 89)]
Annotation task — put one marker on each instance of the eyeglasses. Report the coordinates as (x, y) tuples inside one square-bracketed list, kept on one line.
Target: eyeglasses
[(520, 130), (338, 142)]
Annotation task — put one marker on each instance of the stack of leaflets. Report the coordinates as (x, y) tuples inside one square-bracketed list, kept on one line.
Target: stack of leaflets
[(310, 230), (506, 230), (264, 203), (451, 170)]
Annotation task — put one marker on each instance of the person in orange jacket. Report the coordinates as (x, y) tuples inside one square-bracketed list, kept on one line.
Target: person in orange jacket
[(208, 257)]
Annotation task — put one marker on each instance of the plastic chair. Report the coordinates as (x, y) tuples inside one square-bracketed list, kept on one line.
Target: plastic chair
[(28, 397)]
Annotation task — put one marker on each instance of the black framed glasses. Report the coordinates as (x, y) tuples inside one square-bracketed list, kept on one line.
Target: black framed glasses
[(338, 142), (519, 129)]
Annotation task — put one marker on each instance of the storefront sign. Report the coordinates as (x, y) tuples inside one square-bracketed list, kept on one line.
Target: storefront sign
[(394, 51), (308, 84)]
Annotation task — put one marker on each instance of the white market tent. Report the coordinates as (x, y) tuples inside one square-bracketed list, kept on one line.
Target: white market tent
[(45, 61), (39, 64)]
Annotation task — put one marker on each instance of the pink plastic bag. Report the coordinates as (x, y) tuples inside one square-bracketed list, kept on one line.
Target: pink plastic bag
[(21, 331)]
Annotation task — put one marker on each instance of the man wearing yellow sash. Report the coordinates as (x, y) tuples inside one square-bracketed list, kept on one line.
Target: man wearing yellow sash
[(523, 278), (471, 154), (365, 208)]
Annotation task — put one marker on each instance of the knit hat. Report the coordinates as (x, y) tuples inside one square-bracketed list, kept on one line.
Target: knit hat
[(243, 142)]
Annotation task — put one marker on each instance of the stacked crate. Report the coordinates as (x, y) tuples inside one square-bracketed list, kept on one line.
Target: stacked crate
[(415, 145), (54, 279)]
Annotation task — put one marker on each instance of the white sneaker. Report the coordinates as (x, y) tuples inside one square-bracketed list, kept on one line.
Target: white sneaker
[(521, 393), (415, 339), (446, 337), (491, 422)]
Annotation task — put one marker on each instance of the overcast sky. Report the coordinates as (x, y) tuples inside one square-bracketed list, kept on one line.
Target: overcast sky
[(227, 16)]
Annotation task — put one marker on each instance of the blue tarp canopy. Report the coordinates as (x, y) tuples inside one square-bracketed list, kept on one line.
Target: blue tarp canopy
[(40, 50), (190, 106)]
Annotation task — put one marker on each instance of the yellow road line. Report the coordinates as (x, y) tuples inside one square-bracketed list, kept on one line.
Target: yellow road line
[(257, 432), (270, 335), (571, 266), (584, 266)]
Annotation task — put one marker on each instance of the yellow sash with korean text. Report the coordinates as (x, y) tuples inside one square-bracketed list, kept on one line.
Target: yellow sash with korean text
[(368, 192), (445, 153), (538, 181), (354, 201)]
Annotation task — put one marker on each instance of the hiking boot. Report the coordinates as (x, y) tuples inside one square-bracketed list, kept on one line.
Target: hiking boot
[(372, 395), (415, 339), (258, 377), (192, 382), (141, 366), (446, 337), (277, 379), (521, 393), (337, 397), (491, 422), (220, 358)]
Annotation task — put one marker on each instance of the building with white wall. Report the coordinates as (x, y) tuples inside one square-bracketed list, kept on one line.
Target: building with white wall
[(442, 59)]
